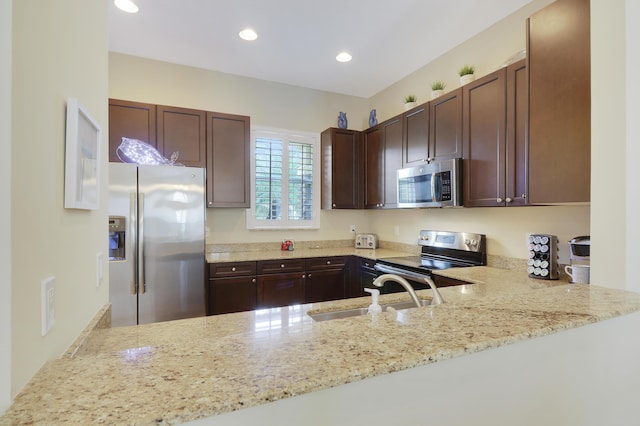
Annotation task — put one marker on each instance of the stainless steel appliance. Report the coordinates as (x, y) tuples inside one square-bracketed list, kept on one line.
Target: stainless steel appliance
[(367, 241), (156, 240), (436, 184), (580, 250), (439, 250)]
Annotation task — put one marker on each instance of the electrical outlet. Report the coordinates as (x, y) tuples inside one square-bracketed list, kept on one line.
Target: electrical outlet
[(352, 228), (99, 268), (48, 303)]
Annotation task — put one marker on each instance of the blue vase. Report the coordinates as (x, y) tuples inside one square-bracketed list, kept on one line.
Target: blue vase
[(342, 120), (372, 118)]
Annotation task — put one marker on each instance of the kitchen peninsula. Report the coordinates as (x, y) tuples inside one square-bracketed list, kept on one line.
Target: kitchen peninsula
[(412, 366)]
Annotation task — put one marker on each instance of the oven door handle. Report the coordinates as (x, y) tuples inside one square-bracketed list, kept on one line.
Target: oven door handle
[(400, 272)]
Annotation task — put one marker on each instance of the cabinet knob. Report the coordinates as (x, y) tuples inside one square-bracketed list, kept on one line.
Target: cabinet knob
[(233, 269), (333, 205), (253, 280), (498, 200), (309, 276), (210, 202), (282, 265), (328, 262), (524, 195), (508, 200)]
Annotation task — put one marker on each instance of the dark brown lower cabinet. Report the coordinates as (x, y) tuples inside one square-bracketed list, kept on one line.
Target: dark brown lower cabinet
[(326, 278), (231, 287), (228, 295), (280, 290)]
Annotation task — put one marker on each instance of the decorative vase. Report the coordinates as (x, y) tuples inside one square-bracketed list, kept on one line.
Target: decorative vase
[(409, 105), (436, 93), (372, 118), (467, 78), (342, 120)]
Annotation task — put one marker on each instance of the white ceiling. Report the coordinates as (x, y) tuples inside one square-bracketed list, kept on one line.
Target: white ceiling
[(298, 40)]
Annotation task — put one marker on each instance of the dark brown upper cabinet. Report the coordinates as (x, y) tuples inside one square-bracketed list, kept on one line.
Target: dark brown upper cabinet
[(415, 128), (228, 162), (182, 131), (133, 120), (342, 175), (558, 52), (445, 126), (495, 138), (382, 159)]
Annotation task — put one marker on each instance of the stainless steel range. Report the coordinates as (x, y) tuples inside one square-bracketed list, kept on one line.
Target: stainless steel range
[(439, 250)]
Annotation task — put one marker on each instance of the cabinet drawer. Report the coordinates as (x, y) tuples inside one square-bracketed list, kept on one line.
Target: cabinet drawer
[(331, 262), (279, 266), (231, 269)]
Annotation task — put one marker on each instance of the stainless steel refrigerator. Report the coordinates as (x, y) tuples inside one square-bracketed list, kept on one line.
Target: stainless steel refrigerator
[(156, 243)]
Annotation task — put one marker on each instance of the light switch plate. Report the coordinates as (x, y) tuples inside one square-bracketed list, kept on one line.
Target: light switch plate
[(99, 268), (48, 303)]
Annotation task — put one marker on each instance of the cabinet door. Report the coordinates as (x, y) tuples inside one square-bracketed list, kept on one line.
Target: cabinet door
[(445, 126), (228, 162), (558, 52), (280, 290), (392, 136), (228, 295), (373, 168), (132, 120), (484, 116), (342, 175), (182, 131), (415, 125), (323, 285), (517, 166)]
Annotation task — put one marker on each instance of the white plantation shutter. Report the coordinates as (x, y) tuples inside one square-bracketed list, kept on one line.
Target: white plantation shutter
[(285, 182)]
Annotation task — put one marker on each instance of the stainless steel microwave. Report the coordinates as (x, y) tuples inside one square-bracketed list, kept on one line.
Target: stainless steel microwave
[(436, 184)]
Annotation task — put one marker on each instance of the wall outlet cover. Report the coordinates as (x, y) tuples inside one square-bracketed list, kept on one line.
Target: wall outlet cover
[(48, 303)]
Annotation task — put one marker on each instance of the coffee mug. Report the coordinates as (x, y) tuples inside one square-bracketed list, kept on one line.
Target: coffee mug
[(579, 273)]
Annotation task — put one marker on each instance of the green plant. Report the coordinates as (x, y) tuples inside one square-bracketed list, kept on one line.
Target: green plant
[(410, 98), (467, 69), (438, 85)]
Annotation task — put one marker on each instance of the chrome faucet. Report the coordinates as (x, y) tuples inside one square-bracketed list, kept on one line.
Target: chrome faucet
[(437, 298)]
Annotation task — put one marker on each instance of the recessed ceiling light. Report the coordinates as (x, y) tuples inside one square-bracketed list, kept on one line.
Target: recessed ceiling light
[(343, 57), (248, 34), (126, 5)]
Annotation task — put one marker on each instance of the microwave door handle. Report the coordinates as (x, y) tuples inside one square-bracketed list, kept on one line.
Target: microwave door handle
[(433, 187)]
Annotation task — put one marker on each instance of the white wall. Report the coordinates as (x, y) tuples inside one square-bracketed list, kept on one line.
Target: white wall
[(59, 51), (632, 193), (5, 206)]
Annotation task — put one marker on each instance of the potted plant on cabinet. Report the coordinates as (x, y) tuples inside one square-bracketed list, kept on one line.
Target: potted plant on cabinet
[(437, 87), (467, 74), (409, 101)]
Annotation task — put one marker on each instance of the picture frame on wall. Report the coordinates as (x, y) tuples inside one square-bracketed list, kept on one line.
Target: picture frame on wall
[(82, 159)]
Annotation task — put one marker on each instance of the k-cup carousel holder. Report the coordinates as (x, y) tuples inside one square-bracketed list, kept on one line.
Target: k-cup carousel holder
[(543, 257)]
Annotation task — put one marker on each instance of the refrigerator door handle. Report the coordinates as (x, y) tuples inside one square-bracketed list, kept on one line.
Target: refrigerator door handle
[(133, 214), (141, 271)]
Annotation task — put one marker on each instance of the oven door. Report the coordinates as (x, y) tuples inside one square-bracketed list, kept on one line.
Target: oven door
[(416, 279)]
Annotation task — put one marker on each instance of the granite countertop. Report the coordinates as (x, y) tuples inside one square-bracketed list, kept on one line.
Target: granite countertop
[(183, 370), (304, 253)]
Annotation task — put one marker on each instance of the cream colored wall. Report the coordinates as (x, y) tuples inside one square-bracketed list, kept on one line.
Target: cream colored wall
[(486, 51), (157, 82), (59, 51), (5, 206)]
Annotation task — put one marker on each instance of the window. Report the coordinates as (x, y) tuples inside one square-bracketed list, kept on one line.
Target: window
[(285, 180)]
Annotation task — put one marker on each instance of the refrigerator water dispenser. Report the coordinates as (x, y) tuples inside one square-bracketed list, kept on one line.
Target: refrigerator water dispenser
[(117, 237)]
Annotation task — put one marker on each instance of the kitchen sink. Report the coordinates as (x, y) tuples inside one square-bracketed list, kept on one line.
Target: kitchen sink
[(346, 313)]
